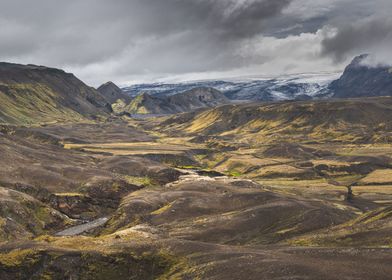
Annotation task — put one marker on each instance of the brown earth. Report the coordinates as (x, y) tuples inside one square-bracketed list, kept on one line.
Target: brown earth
[(203, 203)]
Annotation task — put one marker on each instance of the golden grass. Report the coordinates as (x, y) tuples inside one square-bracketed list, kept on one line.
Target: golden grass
[(16, 257), (34, 103), (70, 194), (331, 162)]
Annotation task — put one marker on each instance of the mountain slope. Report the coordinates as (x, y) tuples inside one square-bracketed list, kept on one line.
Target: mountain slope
[(33, 94), (333, 120), (197, 98), (361, 80), (147, 104), (112, 93), (371, 229), (182, 102)]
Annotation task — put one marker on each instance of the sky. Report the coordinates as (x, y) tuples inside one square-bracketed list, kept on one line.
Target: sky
[(134, 41)]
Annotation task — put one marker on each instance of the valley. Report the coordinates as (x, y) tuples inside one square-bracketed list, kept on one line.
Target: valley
[(196, 140), (216, 190), (263, 206)]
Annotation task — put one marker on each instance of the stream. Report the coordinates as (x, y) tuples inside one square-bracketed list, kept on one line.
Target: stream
[(79, 229), (189, 174)]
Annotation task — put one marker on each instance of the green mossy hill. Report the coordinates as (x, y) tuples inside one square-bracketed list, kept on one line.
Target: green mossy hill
[(36, 94)]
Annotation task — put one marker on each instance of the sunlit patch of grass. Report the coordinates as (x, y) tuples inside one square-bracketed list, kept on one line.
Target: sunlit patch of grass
[(138, 181), (17, 257), (378, 177), (162, 209), (235, 173)]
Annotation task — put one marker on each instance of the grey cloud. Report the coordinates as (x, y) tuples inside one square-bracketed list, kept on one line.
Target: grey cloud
[(91, 31), (358, 37), (122, 39)]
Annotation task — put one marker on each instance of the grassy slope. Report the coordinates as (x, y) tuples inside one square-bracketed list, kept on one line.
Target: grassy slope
[(34, 94), (32, 103), (335, 120), (372, 229)]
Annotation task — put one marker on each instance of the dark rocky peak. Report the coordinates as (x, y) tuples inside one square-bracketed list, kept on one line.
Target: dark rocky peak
[(362, 80), (112, 93)]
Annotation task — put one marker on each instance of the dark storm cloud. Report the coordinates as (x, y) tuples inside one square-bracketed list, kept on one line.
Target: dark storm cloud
[(122, 40), (109, 25), (363, 36), (78, 33)]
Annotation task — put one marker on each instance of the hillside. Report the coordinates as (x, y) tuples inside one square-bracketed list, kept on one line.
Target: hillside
[(203, 195), (193, 99), (33, 94), (147, 104), (361, 80), (328, 120), (368, 230)]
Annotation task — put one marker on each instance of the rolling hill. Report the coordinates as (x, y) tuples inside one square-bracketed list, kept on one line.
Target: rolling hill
[(371, 229), (351, 120)]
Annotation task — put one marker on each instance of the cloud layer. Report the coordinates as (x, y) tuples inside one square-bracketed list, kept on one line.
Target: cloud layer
[(137, 40)]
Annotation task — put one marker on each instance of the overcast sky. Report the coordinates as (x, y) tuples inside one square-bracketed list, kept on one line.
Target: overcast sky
[(130, 41)]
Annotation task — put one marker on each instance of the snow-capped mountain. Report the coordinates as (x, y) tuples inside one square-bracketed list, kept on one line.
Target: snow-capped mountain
[(289, 87)]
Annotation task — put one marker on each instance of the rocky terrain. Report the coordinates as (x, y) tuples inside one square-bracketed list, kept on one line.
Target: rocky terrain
[(280, 190)]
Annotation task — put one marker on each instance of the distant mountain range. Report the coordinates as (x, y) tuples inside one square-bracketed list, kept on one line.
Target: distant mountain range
[(36, 94), (358, 80), (290, 87)]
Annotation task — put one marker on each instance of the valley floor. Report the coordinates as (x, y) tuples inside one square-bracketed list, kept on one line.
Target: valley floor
[(165, 204)]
